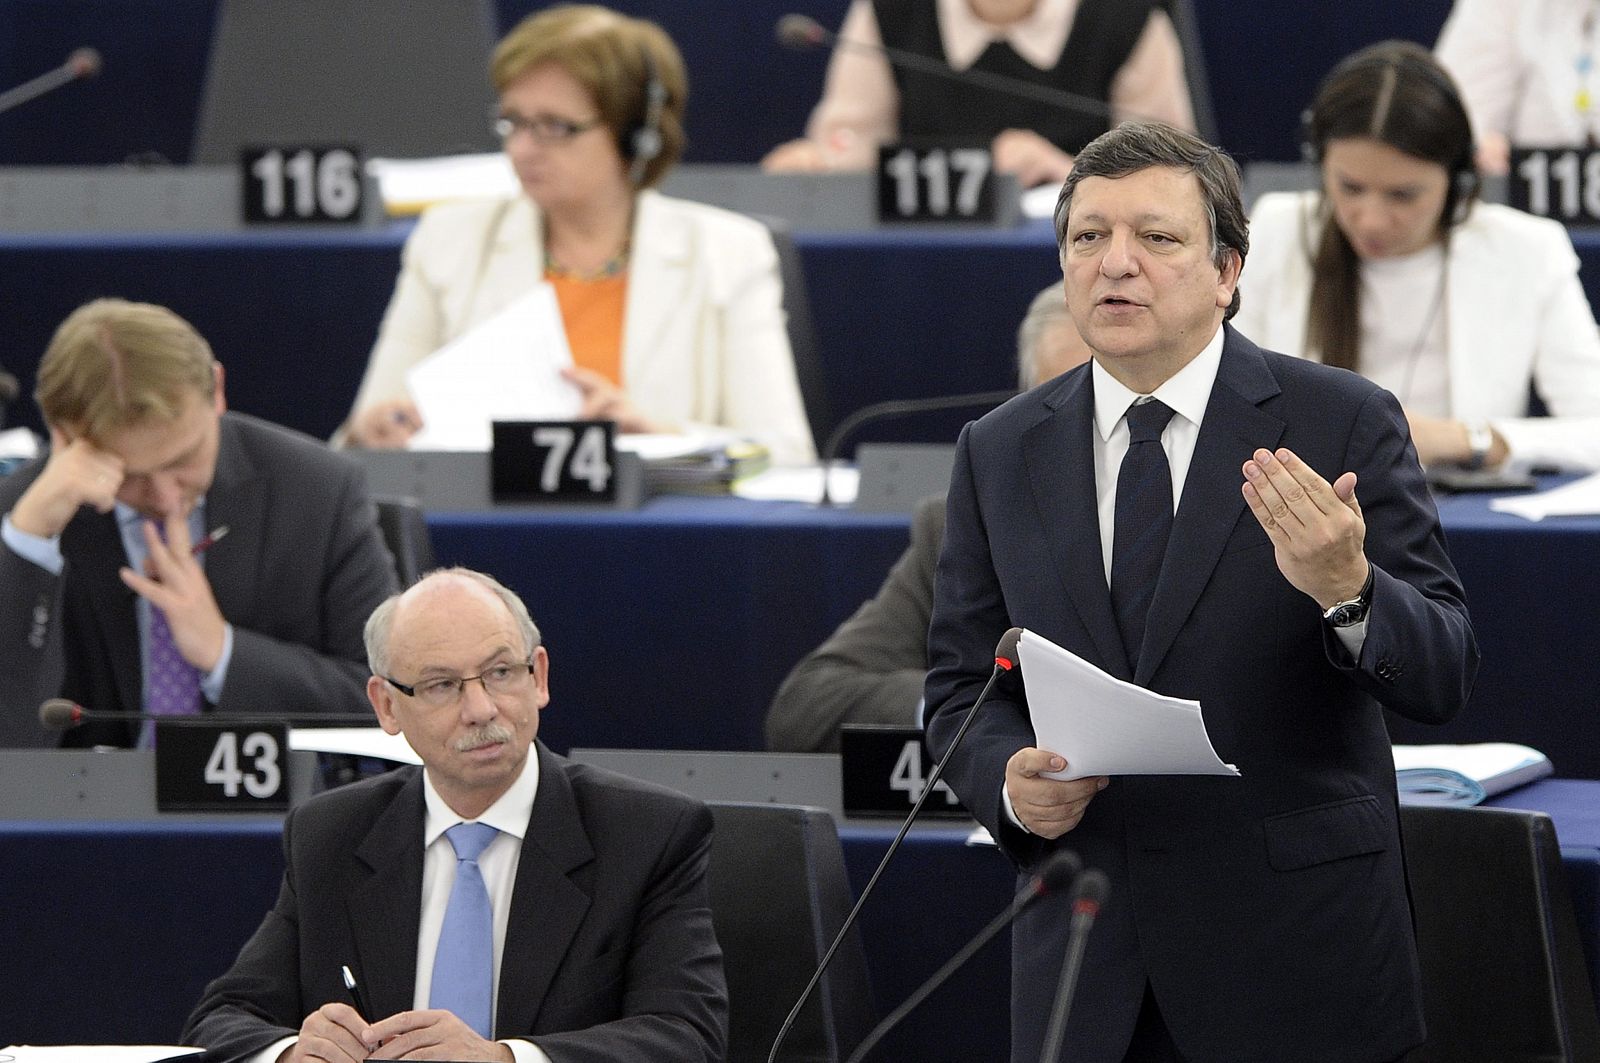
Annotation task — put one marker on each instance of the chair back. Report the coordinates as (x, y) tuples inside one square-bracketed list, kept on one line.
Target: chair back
[(404, 78), (405, 533), (779, 894), (808, 368), (1503, 972)]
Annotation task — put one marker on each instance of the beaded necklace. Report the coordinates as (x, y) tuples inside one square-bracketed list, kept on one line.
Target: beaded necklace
[(611, 267)]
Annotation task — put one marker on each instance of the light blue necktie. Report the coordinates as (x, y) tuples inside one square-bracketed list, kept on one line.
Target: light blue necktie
[(463, 966)]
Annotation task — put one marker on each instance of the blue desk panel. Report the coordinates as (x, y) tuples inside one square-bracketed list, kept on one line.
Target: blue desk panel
[(671, 627), (112, 930)]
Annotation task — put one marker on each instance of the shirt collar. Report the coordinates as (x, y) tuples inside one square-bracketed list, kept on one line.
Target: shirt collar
[(1038, 38), (1187, 391), (509, 814)]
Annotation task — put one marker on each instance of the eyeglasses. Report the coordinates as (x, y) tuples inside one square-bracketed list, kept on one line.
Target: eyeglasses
[(544, 128), (444, 691)]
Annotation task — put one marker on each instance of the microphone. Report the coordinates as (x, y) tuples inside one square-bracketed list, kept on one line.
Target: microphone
[(1087, 898), (1060, 869), (886, 411), (61, 714), (1005, 659), (82, 63), (803, 33)]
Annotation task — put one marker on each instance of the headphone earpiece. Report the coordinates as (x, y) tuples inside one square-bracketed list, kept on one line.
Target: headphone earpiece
[(645, 142)]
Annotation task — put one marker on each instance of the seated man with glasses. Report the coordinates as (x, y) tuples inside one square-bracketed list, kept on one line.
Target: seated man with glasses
[(501, 902), (672, 309)]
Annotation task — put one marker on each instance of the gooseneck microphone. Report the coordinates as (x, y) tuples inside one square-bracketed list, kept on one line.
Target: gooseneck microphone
[(803, 33), (1059, 870), (1005, 659), (1087, 898), (884, 411), (60, 714), (82, 63)]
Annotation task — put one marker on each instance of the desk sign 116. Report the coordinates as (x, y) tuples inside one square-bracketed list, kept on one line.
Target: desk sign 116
[(209, 765), (1560, 183)]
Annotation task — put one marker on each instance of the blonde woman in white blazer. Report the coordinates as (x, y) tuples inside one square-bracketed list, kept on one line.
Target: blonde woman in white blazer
[(702, 341), (1456, 306)]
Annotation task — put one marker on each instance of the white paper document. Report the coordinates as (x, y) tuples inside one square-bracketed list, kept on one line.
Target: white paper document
[(1580, 498), (506, 369), (1105, 726), (355, 741), (97, 1053)]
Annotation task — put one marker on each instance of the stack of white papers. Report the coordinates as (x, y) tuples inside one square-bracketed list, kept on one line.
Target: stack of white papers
[(1580, 498), (408, 186), (1105, 726), (1465, 774), (98, 1053)]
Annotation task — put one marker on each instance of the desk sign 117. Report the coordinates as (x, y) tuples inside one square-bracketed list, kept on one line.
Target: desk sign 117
[(1560, 183)]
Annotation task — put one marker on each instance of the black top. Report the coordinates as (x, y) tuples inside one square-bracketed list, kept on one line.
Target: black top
[(1102, 37)]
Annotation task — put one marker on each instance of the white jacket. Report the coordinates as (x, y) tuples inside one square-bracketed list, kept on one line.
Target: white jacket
[(704, 335), (1515, 314)]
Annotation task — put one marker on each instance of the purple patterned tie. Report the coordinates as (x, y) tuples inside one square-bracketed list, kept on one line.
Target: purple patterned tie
[(173, 684)]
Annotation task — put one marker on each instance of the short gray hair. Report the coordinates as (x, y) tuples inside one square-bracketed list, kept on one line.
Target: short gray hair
[(1135, 146), (381, 622), (1047, 311)]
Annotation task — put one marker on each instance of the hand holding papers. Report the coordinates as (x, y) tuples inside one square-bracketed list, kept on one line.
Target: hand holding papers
[(1104, 726), (506, 369)]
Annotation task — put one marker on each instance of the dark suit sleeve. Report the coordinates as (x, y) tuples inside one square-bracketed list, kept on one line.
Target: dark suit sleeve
[(969, 614), (355, 574), (1419, 657), (258, 1000), (871, 669), (674, 997), (31, 616)]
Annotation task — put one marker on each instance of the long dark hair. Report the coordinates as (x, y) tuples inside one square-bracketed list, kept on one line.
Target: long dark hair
[(1396, 93)]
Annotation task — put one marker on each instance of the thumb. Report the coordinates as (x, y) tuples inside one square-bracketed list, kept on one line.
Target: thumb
[(1345, 488)]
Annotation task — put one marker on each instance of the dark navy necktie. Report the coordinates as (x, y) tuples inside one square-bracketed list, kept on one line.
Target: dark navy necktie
[(1143, 522)]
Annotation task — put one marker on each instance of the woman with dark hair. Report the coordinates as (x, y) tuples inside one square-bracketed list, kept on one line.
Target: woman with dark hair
[(672, 310), (1395, 270)]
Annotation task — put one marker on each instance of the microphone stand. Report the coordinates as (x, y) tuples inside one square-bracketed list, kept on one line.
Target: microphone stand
[(897, 408)]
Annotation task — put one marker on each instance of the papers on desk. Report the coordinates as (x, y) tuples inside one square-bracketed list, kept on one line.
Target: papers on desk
[(802, 484), (354, 741), (1465, 774), (409, 186), (97, 1053), (506, 369), (1580, 498), (1105, 726)]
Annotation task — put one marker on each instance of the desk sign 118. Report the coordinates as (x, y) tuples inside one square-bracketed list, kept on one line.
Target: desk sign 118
[(1560, 183)]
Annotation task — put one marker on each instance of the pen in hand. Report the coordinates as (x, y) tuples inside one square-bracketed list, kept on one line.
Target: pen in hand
[(355, 993)]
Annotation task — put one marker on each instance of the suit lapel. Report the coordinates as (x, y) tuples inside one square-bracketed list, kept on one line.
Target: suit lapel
[(656, 278), (386, 902), (235, 501), (1059, 455), (547, 906), (1211, 504)]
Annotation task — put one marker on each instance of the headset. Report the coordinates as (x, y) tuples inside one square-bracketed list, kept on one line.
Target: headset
[(1465, 182), (644, 143)]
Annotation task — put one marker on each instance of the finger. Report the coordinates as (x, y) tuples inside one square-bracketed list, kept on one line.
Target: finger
[(1316, 488), (152, 591), (178, 543), (159, 560), (1258, 471), (1259, 508), (1296, 500)]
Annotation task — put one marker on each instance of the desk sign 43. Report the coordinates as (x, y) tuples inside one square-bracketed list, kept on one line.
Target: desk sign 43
[(213, 766)]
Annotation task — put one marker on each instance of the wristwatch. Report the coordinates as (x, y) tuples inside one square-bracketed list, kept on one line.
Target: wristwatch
[(1480, 439), (1351, 611)]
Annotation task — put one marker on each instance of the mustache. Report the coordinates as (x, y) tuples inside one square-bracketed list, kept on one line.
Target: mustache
[(492, 733)]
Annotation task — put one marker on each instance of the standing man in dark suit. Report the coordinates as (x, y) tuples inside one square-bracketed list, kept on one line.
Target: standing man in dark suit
[(106, 596), (594, 937), (1211, 521)]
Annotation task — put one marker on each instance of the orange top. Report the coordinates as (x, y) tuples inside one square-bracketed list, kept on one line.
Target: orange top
[(591, 311)]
